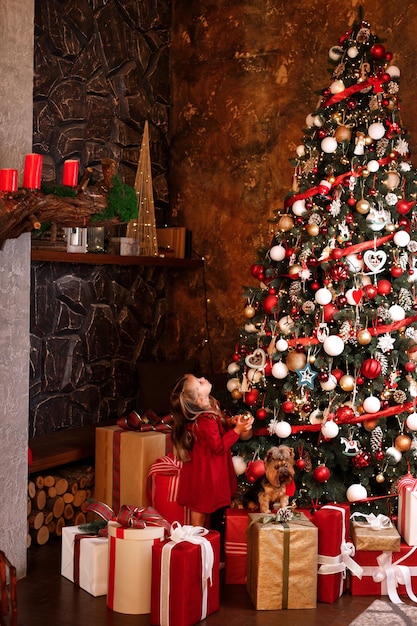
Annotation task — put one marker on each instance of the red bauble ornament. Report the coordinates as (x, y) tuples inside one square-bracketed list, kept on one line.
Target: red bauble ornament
[(261, 414), (300, 464), (410, 366), (344, 414), (329, 310), (321, 474), (251, 397), (371, 368), (403, 206), (270, 303), (378, 52), (315, 285), (255, 470), (396, 271), (257, 270), (351, 201), (383, 287), (337, 253), (287, 406), (379, 455), (268, 368), (371, 291), (338, 373), (361, 460)]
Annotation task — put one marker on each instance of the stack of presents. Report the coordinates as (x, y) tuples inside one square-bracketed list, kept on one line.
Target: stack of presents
[(149, 559)]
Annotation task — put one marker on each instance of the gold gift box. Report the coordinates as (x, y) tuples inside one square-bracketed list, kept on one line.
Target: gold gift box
[(368, 539), (282, 563)]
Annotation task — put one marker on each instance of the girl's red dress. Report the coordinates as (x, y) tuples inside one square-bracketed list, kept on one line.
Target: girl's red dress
[(208, 480)]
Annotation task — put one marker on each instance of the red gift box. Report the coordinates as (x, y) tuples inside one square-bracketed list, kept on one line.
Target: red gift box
[(387, 573), (182, 591), (334, 551), (163, 481), (235, 546)]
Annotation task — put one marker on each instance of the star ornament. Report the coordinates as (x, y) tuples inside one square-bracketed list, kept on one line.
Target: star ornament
[(306, 377)]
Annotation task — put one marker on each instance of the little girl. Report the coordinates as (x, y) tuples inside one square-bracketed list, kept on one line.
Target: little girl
[(202, 440)]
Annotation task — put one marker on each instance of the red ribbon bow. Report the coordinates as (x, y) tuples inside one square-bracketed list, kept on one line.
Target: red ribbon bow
[(129, 516), (149, 421)]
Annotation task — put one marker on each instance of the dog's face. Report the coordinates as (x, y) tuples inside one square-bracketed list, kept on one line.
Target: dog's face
[(279, 465)]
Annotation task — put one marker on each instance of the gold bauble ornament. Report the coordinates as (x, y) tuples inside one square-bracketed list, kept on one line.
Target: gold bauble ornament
[(390, 227), (368, 140), (342, 133), (286, 223), (370, 424), (249, 311), (236, 394), (364, 337), (392, 180), (380, 478), (347, 382), (365, 172), (295, 360), (294, 270), (402, 442), (313, 230), (362, 206)]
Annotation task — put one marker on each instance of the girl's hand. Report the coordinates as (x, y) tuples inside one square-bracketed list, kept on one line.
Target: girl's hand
[(243, 425)]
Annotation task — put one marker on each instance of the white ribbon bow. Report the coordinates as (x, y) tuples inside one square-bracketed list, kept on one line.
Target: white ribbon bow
[(341, 562), (394, 574), (195, 534), (375, 522)]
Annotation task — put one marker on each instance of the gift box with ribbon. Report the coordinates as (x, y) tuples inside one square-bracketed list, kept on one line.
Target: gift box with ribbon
[(85, 560), (163, 481), (185, 576), (282, 562), (123, 458), (374, 533), (235, 546), (131, 538), (387, 573), (335, 551), (407, 509)]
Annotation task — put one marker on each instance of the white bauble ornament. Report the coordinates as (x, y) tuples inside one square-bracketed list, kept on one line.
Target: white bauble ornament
[(335, 53), (372, 166), (254, 376), (251, 328), (323, 296), (329, 384), (316, 417), (349, 297), (279, 370), (411, 421), (232, 383), (376, 131), (239, 465), (286, 324), (393, 71), (277, 253), (233, 368), (333, 345), (299, 207), (401, 238), (396, 312), (356, 492), (352, 52), (394, 454), (354, 264), (337, 86), (309, 120), (282, 429), (300, 150), (281, 345), (329, 145), (318, 121), (371, 404), (330, 429)]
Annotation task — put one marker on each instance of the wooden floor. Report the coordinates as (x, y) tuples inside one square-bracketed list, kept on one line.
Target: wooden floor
[(45, 597)]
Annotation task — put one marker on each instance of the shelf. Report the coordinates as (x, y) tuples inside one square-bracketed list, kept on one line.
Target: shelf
[(62, 447), (113, 259)]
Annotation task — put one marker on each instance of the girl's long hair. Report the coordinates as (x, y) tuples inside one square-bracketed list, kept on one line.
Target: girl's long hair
[(184, 409)]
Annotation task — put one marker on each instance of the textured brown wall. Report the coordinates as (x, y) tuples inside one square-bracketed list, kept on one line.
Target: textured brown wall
[(245, 74)]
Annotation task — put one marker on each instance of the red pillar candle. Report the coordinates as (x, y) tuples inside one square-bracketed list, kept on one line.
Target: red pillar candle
[(70, 174), (8, 180), (33, 171)]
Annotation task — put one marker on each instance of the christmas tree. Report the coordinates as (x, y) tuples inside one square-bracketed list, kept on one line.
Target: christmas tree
[(327, 357)]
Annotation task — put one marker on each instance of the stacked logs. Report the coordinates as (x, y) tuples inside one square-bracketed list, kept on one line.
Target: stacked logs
[(57, 500)]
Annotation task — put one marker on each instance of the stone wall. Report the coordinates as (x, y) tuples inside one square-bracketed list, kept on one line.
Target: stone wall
[(90, 325)]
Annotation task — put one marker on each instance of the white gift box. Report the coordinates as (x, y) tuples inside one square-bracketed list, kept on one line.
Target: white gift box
[(130, 567), (93, 562), (407, 515)]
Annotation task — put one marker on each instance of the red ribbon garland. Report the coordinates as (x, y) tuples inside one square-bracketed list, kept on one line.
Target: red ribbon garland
[(372, 81)]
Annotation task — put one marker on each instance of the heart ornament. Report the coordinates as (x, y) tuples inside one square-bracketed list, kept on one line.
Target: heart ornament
[(357, 295), (375, 260), (256, 360)]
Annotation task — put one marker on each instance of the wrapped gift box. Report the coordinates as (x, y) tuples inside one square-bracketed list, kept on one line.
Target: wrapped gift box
[(85, 560), (122, 462), (384, 572), (282, 563), (407, 509), (335, 552), (181, 595), (163, 480), (130, 567), (369, 539), (235, 546)]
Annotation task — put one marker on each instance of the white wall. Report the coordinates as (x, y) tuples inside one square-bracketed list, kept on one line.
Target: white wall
[(16, 71)]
